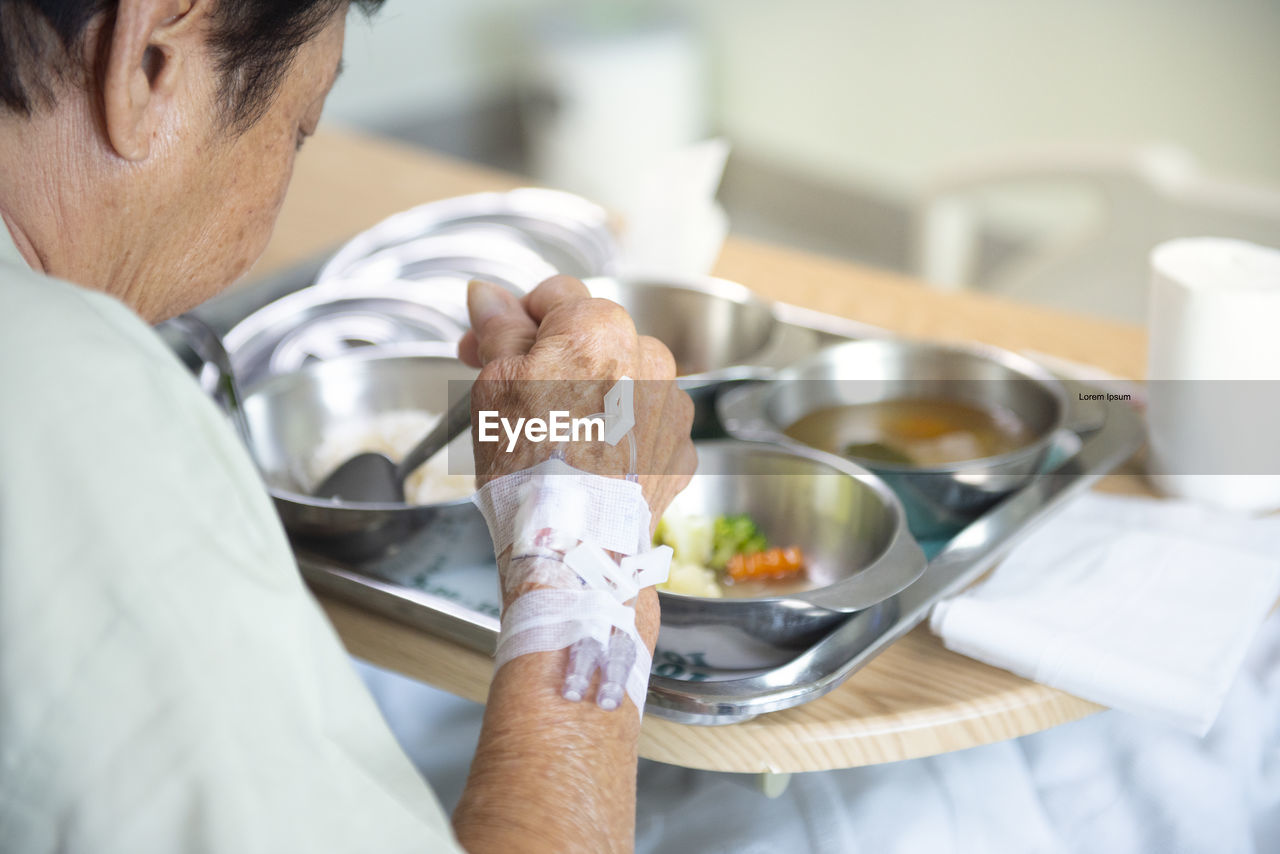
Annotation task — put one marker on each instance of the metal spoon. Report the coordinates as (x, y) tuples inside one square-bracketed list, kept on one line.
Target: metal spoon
[(374, 479), (209, 350)]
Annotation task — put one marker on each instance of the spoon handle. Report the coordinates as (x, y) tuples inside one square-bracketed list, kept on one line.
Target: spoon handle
[(457, 419), (208, 347)]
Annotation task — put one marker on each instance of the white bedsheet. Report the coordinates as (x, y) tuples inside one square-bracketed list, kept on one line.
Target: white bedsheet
[(1109, 783)]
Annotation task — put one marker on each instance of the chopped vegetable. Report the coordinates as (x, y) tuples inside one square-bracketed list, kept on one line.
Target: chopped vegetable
[(710, 552), (734, 535), (769, 565), (692, 579), (690, 537)]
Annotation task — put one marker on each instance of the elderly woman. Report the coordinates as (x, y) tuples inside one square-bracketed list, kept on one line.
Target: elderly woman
[(166, 682)]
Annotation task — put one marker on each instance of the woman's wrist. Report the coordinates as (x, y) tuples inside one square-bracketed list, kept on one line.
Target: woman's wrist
[(645, 603)]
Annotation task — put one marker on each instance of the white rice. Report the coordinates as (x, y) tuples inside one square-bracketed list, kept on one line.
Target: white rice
[(394, 434)]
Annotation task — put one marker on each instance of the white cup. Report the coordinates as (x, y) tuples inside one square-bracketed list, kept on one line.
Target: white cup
[(1214, 373)]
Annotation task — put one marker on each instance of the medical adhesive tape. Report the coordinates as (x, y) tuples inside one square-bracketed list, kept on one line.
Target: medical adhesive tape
[(548, 620), (607, 512), (561, 524), (593, 566)]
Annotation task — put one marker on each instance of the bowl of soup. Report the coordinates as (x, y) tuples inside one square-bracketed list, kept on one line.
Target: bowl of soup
[(751, 512), (953, 429)]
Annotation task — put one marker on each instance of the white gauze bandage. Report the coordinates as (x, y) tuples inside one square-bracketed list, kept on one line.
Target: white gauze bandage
[(608, 512), (561, 524)]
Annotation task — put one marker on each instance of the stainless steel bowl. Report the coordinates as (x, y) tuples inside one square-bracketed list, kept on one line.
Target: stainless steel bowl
[(939, 499), (288, 417), (849, 524), (719, 332), (570, 234), (338, 318), (479, 253), (716, 329)]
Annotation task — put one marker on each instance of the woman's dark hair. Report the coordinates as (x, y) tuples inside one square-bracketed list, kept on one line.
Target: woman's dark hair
[(253, 43)]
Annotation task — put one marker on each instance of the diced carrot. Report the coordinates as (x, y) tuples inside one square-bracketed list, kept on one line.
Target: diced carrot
[(769, 565)]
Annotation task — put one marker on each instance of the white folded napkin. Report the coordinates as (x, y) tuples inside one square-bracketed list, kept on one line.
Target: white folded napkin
[(1142, 605)]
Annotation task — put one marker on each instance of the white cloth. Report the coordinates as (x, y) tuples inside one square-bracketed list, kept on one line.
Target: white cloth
[(1108, 784), (1141, 605), (167, 683)]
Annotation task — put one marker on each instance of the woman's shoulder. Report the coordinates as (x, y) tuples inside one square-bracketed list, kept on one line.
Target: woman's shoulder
[(50, 324), (78, 359), (97, 397)]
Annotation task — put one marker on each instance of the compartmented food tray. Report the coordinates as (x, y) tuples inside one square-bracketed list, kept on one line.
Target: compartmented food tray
[(422, 586)]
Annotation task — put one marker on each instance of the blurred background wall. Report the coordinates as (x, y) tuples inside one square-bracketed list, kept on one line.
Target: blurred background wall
[(842, 113)]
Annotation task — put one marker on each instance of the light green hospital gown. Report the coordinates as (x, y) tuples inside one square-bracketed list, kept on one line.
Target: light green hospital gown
[(167, 683)]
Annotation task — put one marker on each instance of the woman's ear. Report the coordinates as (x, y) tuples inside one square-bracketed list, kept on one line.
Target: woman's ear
[(148, 45)]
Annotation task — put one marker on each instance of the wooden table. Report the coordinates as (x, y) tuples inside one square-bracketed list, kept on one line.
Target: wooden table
[(917, 698)]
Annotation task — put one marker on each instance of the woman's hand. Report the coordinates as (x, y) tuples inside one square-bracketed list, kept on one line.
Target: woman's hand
[(551, 775), (560, 349)]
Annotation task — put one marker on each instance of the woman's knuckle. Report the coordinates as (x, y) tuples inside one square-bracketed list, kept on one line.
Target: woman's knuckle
[(562, 281), (659, 356), (608, 313), (687, 409), (497, 372)]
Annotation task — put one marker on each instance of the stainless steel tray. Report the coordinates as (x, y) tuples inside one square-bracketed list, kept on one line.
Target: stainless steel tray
[(421, 587), (954, 565)]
